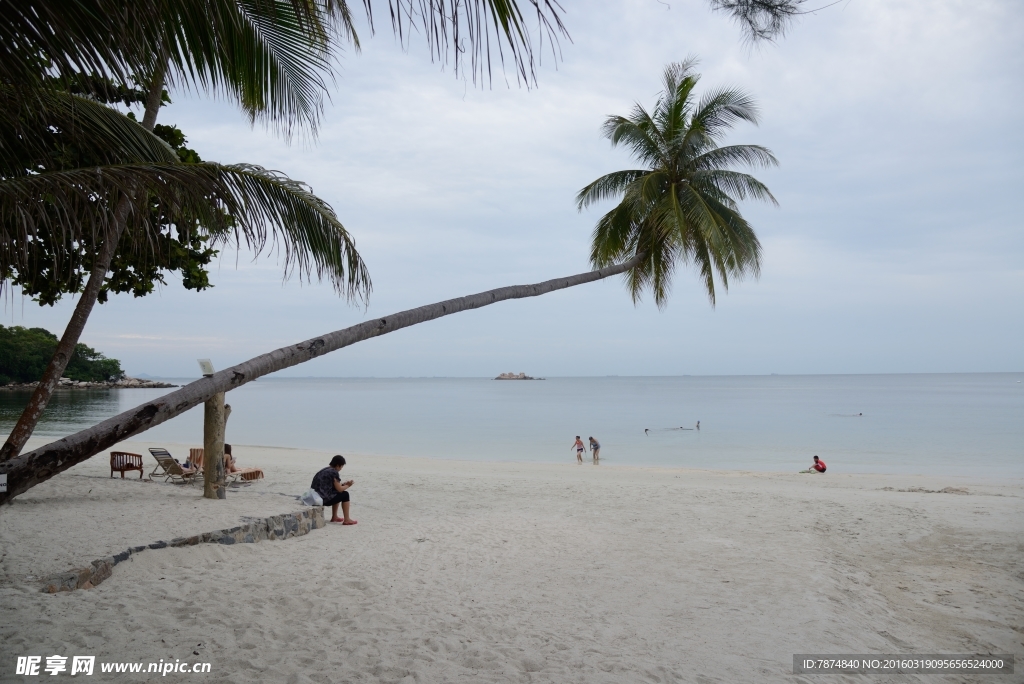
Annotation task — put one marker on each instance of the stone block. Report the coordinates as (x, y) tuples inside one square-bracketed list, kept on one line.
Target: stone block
[(291, 526), (101, 571), (83, 576)]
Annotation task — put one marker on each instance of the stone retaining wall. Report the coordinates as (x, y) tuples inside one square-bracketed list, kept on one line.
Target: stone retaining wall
[(262, 529)]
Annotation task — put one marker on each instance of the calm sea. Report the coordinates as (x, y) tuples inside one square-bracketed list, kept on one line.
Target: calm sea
[(940, 424)]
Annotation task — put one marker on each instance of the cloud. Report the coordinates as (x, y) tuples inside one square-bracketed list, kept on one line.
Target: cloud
[(897, 246)]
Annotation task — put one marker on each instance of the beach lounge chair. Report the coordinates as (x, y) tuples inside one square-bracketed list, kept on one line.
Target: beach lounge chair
[(120, 461), (169, 469), (195, 457)]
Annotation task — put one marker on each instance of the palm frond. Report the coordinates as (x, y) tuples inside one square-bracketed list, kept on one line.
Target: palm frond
[(699, 235), (267, 209), (720, 110), (733, 183), (607, 186), (677, 72), (468, 29), (639, 133), (272, 60), (271, 208), (673, 108), (271, 56), (35, 123), (749, 155), (612, 236), (75, 36)]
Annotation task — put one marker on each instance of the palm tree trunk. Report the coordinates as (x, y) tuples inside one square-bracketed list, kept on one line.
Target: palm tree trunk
[(29, 469), (73, 332)]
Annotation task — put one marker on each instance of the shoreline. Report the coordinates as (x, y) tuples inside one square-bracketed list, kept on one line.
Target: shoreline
[(520, 572), (835, 471), (67, 384)]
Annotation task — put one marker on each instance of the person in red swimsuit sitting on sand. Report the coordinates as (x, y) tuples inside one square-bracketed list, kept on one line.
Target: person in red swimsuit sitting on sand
[(818, 467), (327, 483)]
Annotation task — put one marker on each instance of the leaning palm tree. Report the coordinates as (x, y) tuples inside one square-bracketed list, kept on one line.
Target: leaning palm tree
[(682, 207), (271, 56)]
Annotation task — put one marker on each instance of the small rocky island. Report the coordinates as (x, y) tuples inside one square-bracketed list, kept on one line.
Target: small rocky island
[(515, 376), (68, 383)]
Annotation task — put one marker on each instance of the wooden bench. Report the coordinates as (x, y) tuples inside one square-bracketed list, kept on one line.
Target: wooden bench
[(120, 461)]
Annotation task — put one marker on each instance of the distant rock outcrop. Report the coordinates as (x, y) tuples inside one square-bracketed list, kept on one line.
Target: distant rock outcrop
[(515, 376), (68, 383)]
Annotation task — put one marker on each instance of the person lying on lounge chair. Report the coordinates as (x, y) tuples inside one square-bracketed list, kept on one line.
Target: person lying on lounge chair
[(187, 467), (333, 491)]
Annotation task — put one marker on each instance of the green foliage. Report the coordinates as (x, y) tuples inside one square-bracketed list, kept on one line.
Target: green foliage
[(682, 207), (57, 268), (24, 353), (87, 364), (74, 160)]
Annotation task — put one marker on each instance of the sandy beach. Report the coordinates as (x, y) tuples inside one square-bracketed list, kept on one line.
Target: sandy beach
[(509, 572)]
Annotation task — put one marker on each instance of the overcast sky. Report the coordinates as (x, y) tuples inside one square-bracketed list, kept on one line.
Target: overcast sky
[(897, 247)]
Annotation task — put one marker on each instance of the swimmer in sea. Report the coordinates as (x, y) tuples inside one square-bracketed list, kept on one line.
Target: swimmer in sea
[(698, 425), (645, 431)]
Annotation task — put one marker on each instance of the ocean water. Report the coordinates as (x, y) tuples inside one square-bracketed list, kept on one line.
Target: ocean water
[(948, 424)]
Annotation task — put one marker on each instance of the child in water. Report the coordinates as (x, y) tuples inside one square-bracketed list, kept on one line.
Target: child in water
[(579, 449)]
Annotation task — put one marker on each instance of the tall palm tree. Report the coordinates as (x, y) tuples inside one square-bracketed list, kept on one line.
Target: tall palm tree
[(682, 207)]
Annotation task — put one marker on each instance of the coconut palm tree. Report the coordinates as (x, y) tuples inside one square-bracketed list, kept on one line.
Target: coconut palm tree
[(681, 207)]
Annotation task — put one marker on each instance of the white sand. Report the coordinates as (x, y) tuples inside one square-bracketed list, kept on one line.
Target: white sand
[(472, 572)]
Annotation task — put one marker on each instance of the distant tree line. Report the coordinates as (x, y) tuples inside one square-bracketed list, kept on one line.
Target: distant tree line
[(24, 353)]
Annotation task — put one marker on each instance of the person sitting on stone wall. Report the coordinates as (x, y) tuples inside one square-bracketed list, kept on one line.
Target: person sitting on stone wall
[(327, 483)]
